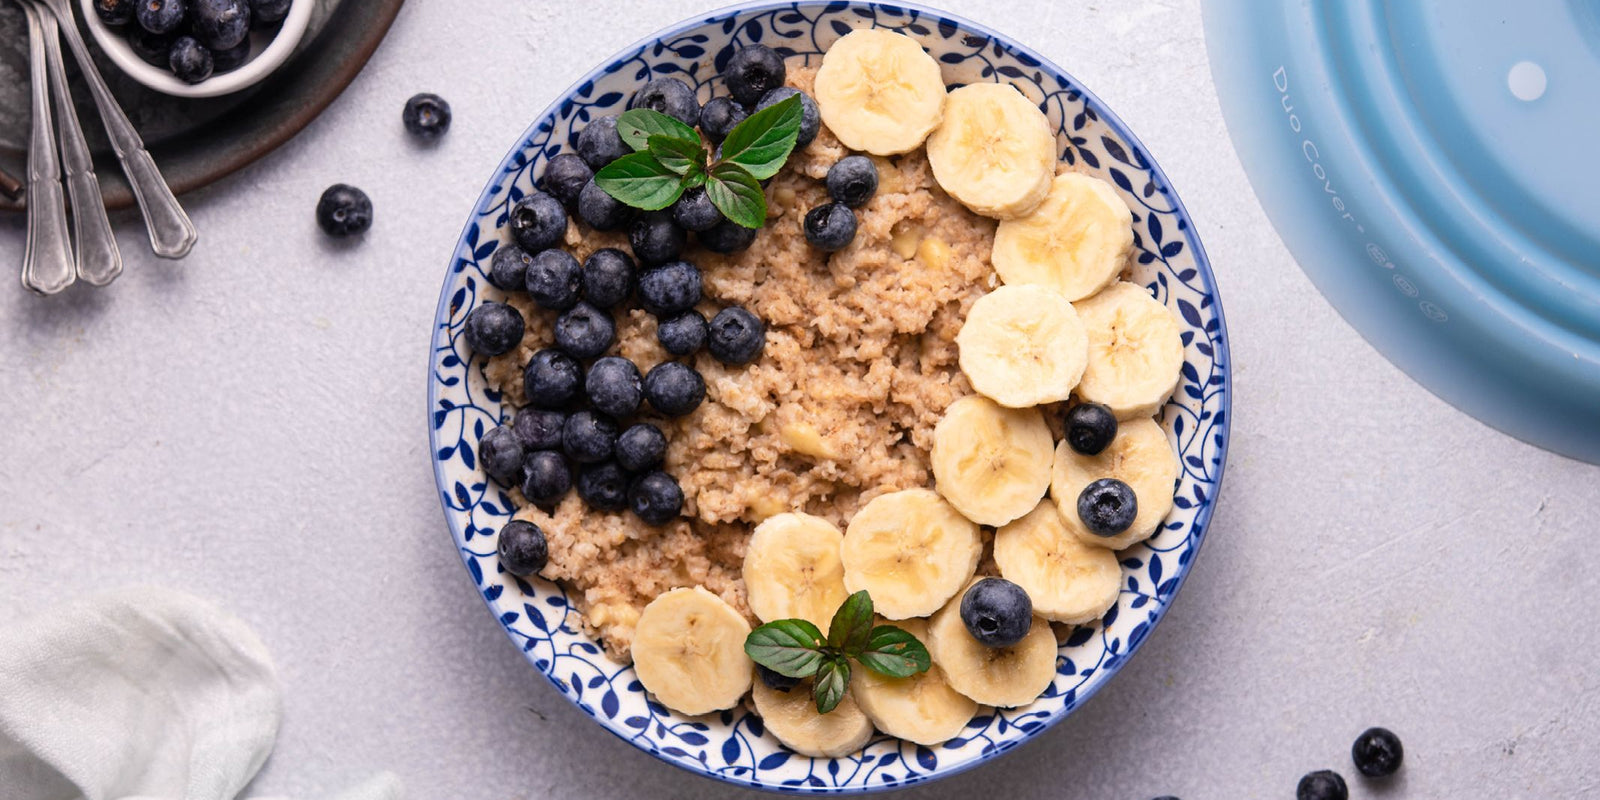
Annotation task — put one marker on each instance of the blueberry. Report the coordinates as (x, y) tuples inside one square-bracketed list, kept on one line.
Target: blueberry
[(754, 71), (674, 389), (564, 177), (344, 210), (614, 386), (997, 612), (601, 211), (1377, 753), (810, 116), (190, 60), (538, 222), (1322, 785), (268, 11), (655, 498), (115, 13), (641, 447), (683, 334), (501, 453), (607, 277), (655, 238), (552, 279), (1090, 428), (546, 477), (599, 143), (1107, 507), (426, 116), (508, 269), (539, 428), (523, 550), (852, 180), (830, 227), (552, 380), (736, 336), (694, 211), (585, 331), (719, 116), (729, 237), (670, 289), (230, 59), (493, 328), (219, 24), (776, 681), (603, 486), (669, 96), (588, 438), (160, 16), (152, 48)]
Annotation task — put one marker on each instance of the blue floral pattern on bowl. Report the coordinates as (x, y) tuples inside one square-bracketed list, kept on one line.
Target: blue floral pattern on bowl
[(732, 745)]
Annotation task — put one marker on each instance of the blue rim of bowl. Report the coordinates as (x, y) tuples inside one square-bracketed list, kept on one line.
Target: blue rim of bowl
[(1202, 524)]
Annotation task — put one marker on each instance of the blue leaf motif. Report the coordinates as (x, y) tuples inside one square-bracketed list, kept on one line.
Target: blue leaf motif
[(1155, 570), (925, 758), (774, 761), (730, 750), (1154, 224), (609, 705), (693, 738)]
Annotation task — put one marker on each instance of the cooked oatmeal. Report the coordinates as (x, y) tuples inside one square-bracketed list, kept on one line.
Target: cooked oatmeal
[(859, 364)]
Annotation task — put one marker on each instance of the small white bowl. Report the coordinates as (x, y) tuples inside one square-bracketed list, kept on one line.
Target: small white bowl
[(268, 51)]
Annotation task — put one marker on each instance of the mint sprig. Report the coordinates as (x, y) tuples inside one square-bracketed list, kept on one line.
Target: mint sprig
[(670, 157), (796, 648)]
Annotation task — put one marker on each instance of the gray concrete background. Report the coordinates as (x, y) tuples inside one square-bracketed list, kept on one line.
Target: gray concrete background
[(249, 425)]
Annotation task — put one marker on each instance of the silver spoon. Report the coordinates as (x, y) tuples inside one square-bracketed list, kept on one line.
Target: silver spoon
[(99, 260), (47, 262), (172, 235)]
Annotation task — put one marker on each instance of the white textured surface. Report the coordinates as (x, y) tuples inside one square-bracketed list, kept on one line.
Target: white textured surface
[(249, 425)]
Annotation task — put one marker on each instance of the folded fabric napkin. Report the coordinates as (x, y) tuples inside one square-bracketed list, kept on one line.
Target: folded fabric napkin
[(138, 694)]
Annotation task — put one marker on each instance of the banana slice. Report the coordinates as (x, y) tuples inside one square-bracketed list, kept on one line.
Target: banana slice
[(921, 708), (688, 649), (1135, 351), (911, 551), (792, 569), (1068, 580), (1075, 242), (1023, 346), (792, 717), (880, 92), (991, 463), (994, 151), (994, 676), (1141, 457)]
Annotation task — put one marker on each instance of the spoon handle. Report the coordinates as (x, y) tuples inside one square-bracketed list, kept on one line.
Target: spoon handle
[(99, 260), (47, 262)]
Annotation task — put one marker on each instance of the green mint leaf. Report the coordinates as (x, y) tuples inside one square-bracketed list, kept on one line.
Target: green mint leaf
[(639, 180), (893, 652), (737, 194), (678, 155), (830, 683), (637, 126), (851, 628), (791, 647), (764, 140), (695, 179)]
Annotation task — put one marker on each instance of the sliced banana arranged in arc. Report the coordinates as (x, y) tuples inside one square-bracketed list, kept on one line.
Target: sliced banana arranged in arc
[(880, 92), (1068, 580), (1075, 242), (911, 551), (994, 676), (1135, 351), (921, 708), (792, 717), (1023, 346), (992, 463), (793, 569), (688, 650), (1141, 457), (994, 152)]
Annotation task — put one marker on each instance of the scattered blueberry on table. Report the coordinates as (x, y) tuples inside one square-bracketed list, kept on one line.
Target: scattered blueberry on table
[(1323, 784), (997, 612), (344, 210), (426, 116), (1377, 753)]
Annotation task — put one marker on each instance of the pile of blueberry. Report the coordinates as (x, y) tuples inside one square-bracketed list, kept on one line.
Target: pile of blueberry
[(194, 38)]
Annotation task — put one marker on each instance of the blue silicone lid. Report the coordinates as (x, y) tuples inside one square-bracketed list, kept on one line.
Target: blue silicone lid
[(1434, 166)]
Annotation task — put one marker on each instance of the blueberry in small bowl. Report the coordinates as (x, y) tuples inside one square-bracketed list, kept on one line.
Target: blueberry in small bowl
[(197, 48)]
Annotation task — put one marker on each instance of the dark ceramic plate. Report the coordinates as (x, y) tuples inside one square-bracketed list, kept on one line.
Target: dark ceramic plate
[(197, 142)]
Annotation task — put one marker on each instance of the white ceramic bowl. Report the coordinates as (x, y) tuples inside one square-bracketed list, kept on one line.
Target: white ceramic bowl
[(268, 51)]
